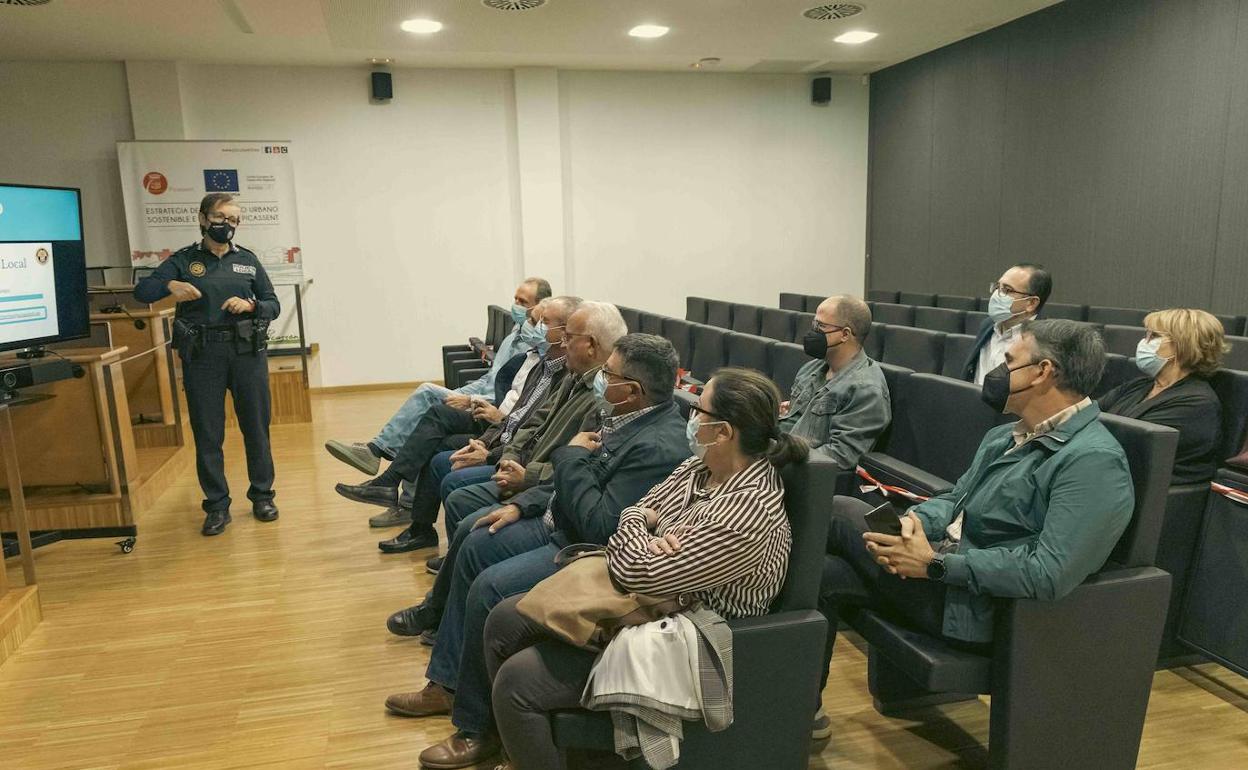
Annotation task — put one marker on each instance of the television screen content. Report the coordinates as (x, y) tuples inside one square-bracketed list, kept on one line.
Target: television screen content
[(43, 273)]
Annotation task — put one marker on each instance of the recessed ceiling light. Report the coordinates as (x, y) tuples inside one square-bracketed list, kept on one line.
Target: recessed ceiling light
[(421, 26), (648, 30), (856, 36)]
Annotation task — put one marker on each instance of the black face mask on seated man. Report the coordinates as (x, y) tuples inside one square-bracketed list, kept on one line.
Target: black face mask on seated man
[(815, 342), (996, 391)]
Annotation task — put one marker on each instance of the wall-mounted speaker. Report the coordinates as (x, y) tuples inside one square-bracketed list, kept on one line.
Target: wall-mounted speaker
[(821, 90), (383, 88)]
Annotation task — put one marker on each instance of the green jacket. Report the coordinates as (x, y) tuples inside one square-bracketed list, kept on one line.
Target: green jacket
[(554, 424), (1038, 520)]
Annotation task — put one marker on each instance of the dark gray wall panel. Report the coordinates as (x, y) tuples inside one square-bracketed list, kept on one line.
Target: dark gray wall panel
[(1105, 138)]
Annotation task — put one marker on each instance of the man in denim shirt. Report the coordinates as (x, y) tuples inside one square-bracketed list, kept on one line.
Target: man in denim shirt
[(839, 402)]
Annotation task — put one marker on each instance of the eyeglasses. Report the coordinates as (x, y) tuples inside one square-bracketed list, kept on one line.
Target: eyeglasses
[(567, 335), (218, 219), (1150, 335), (617, 375), (820, 326), (1007, 289), (706, 412)]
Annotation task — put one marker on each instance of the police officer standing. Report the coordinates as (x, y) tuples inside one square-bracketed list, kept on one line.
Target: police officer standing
[(225, 302)]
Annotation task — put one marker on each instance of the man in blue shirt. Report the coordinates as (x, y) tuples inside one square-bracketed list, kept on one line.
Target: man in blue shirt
[(366, 456)]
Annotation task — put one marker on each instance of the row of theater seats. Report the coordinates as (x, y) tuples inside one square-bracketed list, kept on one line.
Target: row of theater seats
[(788, 324), (1056, 667)]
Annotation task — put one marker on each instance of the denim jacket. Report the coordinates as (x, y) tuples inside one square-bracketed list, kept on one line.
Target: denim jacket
[(841, 417)]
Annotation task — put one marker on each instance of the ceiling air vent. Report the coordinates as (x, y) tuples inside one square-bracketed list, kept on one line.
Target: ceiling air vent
[(513, 5), (833, 11), (24, 2)]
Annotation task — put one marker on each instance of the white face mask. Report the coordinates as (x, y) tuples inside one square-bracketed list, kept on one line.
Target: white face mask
[(691, 433), (1000, 307)]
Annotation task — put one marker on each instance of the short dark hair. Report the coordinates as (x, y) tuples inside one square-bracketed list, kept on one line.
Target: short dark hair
[(541, 287), (1076, 350), (1039, 281), (750, 403), (209, 203), (650, 360)]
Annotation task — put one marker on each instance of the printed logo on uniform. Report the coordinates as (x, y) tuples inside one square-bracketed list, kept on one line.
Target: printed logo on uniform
[(41, 255), (245, 269), (197, 269)]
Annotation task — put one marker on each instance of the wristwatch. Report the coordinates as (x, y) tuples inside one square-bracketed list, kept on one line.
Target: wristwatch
[(936, 567)]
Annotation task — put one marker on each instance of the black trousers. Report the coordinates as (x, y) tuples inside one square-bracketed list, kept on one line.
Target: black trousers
[(441, 428), (852, 579), (218, 367)]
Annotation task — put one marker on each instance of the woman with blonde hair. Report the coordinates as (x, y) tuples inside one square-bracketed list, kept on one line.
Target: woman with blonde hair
[(1181, 348)]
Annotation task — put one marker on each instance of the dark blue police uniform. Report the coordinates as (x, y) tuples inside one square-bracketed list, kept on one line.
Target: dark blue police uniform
[(218, 352)]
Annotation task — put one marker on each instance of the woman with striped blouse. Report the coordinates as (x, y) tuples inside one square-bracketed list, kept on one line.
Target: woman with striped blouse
[(715, 528)]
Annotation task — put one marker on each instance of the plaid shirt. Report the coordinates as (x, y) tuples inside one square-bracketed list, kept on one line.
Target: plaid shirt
[(520, 411), (609, 426)]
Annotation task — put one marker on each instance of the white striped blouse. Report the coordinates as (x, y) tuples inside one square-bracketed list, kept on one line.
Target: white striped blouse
[(734, 539)]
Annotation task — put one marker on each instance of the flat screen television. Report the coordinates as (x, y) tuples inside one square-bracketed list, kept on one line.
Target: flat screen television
[(43, 268)]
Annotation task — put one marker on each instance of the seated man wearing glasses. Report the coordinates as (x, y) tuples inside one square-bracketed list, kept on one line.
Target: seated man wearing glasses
[(839, 402), (1016, 297)]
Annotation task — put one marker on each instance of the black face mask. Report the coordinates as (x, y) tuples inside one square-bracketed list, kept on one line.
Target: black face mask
[(996, 391), (221, 232), (815, 343)]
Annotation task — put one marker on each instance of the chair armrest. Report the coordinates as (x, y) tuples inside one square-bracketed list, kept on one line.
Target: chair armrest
[(889, 470)]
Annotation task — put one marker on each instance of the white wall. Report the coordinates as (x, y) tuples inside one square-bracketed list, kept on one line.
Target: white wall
[(717, 185), (59, 126), (417, 213)]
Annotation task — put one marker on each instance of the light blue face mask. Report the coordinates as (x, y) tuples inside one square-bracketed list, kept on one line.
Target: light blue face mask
[(691, 434), (600, 390), (533, 337), (519, 314), (1000, 307), (1147, 359)]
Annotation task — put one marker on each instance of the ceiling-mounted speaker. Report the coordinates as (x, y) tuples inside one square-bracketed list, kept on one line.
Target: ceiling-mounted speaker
[(383, 87), (821, 90)]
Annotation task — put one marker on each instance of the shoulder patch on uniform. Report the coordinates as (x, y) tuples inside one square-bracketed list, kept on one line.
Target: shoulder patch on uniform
[(196, 269), (246, 269)]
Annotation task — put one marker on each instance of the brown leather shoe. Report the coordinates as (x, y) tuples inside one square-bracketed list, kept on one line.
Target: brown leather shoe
[(434, 699), (459, 750)]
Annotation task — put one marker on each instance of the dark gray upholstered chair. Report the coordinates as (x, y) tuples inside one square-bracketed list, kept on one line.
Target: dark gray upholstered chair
[(957, 302), (786, 359), (940, 319), (1121, 340), (1118, 369), (974, 320), (632, 318), (650, 323), (776, 324), (813, 301), (1237, 357), (790, 301), (893, 315), (1069, 679), (879, 295), (708, 350), (916, 299), (776, 657), (679, 333), (750, 351), (874, 343), (1119, 316), (1067, 312), (1231, 324), (958, 349), (719, 313), (696, 309), (917, 349), (746, 319)]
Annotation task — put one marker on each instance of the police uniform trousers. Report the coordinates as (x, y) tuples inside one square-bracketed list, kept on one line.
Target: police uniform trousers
[(213, 369)]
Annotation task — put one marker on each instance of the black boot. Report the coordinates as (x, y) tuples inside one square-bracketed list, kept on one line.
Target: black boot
[(215, 522)]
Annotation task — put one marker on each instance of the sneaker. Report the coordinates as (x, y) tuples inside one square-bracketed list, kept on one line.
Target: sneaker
[(821, 728), (357, 455), (392, 517), (433, 564)]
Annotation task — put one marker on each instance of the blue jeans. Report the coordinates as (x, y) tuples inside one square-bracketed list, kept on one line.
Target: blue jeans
[(456, 480), (470, 553), (395, 432)]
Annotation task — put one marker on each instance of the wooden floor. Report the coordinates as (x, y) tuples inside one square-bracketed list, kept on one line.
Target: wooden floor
[(266, 647)]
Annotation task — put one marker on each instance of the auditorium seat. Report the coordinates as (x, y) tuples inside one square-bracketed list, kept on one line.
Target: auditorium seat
[(1215, 615), (813, 301), (786, 359), (893, 315), (1069, 679), (879, 295), (917, 349), (916, 299), (750, 351), (679, 333), (632, 318), (745, 319), (776, 324), (974, 321), (1118, 369), (1122, 339), (957, 302), (1068, 312), (793, 301), (1231, 324), (773, 694), (696, 309), (1237, 356), (1119, 316), (719, 313), (802, 323), (874, 343), (958, 349), (650, 323), (940, 319), (708, 350)]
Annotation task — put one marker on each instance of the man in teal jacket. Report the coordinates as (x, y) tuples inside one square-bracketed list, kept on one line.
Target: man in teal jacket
[(1041, 507)]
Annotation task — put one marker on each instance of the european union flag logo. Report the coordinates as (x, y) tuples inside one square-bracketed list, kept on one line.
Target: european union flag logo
[(220, 180)]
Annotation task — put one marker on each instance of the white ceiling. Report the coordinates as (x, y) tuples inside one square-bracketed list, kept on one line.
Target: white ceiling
[(748, 35)]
